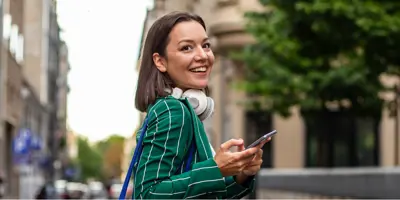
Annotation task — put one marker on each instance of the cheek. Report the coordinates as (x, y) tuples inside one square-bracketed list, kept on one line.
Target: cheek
[(211, 58)]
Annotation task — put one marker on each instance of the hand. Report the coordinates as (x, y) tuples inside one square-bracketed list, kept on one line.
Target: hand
[(254, 166), (233, 163)]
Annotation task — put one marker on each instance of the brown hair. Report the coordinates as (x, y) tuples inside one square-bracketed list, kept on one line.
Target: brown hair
[(151, 82)]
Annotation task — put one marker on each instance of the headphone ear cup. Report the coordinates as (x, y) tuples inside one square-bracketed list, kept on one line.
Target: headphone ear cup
[(193, 102), (201, 105), (209, 109)]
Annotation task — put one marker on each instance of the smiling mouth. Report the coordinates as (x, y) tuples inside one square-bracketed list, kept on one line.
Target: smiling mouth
[(199, 69)]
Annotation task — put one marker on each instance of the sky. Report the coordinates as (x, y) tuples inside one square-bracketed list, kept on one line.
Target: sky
[(103, 38)]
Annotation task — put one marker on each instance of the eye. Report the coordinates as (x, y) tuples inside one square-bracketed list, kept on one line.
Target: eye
[(186, 48), (207, 45)]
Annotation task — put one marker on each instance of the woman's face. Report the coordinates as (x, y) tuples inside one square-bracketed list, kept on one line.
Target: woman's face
[(189, 58)]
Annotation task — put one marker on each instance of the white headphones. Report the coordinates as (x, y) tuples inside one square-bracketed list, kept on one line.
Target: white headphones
[(203, 106)]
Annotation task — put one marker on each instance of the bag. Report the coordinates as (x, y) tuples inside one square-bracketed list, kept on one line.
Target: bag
[(136, 155)]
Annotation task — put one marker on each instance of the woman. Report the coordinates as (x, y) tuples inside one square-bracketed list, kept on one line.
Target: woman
[(177, 57)]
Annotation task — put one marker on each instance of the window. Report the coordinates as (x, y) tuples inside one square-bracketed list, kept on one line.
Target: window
[(338, 139)]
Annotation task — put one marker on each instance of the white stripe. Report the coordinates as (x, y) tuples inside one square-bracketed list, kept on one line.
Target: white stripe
[(239, 193), (151, 149), (148, 115), (179, 179), (205, 151), (230, 185), (156, 193), (205, 168), (166, 140), (206, 181), (179, 139), (183, 164)]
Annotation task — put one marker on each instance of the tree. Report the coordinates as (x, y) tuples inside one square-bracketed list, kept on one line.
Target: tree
[(89, 160), (315, 53), (112, 149)]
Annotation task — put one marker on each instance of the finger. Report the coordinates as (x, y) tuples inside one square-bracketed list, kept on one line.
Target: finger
[(245, 163), (254, 164), (230, 143), (259, 154), (248, 152), (241, 147), (252, 170), (249, 159), (261, 145), (239, 157)]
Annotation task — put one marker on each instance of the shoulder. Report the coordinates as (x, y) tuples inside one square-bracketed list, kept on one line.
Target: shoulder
[(169, 106)]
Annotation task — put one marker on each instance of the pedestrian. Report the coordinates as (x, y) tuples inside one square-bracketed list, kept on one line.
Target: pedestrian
[(175, 158)]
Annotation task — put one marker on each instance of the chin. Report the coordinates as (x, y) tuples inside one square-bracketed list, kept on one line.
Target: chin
[(200, 86)]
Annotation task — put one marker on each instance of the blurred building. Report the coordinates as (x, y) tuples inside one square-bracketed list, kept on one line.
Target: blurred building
[(72, 144), (61, 99), (42, 68), (34, 67), (11, 83), (360, 143), (54, 45), (35, 114)]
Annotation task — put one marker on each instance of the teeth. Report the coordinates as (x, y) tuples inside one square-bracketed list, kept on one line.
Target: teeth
[(199, 69)]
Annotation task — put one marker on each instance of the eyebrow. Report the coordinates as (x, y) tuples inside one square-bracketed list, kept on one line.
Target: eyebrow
[(192, 41)]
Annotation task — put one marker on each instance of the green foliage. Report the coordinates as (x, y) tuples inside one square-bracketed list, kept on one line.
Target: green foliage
[(313, 52), (101, 160), (104, 144), (113, 153), (90, 160)]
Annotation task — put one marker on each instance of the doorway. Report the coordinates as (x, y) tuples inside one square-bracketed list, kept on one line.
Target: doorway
[(259, 123)]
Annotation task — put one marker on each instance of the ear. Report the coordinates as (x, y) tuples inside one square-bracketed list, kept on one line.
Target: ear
[(159, 61)]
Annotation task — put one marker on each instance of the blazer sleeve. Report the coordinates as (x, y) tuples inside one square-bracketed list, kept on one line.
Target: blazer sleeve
[(238, 191), (165, 145)]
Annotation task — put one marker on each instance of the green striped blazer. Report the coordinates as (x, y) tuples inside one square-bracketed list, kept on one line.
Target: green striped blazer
[(172, 126)]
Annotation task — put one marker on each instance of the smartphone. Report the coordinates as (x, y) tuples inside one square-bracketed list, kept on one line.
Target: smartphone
[(262, 138)]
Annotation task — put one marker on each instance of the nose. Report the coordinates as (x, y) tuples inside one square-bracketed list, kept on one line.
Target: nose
[(201, 55)]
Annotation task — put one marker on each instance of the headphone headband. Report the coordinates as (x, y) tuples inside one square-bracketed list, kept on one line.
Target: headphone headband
[(202, 105)]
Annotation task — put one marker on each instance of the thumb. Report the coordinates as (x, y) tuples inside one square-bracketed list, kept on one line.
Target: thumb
[(230, 143)]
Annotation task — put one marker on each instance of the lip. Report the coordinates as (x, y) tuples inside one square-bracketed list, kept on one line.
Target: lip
[(206, 66)]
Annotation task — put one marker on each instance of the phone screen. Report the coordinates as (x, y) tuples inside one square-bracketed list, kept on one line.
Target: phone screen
[(262, 138)]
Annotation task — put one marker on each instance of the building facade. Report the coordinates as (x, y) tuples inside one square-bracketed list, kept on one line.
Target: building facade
[(11, 75), (53, 72), (30, 67), (362, 143), (62, 100)]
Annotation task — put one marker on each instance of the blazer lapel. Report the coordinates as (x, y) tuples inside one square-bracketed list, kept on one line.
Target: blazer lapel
[(204, 151)]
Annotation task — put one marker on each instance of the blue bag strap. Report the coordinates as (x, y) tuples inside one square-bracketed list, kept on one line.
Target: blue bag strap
[(138, 152), (190, 157)]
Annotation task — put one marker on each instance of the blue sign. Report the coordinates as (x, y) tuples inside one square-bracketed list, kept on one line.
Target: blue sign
[(22, 142), (36, 143)]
